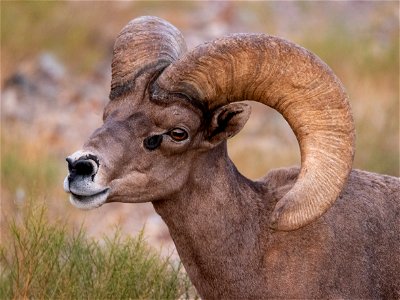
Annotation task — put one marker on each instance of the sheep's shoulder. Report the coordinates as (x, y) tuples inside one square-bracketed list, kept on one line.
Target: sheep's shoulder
[(279, 181), (353, 248)]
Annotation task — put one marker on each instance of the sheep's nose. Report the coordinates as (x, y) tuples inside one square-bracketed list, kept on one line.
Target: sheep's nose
[(83, 166)]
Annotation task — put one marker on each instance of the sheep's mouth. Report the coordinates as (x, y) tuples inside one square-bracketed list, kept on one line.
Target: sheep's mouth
[(89, 201)]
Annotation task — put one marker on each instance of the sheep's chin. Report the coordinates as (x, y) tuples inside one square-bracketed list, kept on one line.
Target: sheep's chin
[(89, 202)]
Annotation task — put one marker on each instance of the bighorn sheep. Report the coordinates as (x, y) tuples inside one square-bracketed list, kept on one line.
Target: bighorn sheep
[(321, 230)]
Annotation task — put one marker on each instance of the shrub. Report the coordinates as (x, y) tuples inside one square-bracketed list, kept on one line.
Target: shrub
[(43, 261)]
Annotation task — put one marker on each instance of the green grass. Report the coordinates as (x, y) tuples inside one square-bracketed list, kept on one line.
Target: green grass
[(43, 261), (17, 172), (27, 166)]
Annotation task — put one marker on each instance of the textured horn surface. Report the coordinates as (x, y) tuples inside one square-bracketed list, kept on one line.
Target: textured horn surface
[(145, 44), (296, 83)]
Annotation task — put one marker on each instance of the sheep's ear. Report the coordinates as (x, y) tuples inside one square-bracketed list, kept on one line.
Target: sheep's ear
[(227, 121)]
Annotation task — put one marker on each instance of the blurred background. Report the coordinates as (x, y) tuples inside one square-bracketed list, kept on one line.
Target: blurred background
[(55, 81)]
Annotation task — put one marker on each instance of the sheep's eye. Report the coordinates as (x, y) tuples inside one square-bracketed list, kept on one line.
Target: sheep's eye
[(178, 134)]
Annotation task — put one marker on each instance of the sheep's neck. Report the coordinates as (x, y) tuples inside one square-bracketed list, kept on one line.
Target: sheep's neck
[(215, 224)]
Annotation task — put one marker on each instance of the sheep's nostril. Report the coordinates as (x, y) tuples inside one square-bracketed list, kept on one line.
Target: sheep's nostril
[(84, 168)]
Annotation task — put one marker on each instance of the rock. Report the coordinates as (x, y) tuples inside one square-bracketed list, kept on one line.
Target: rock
[(50, 67)]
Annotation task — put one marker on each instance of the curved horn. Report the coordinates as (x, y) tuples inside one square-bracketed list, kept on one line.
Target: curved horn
[(296, 83), (145, 44)]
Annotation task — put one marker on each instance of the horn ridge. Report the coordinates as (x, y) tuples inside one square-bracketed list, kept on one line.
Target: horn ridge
[(145, 45), (297, 84)]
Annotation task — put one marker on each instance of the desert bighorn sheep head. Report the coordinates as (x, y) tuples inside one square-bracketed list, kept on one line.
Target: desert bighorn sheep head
[(321, 231), (168, 105)]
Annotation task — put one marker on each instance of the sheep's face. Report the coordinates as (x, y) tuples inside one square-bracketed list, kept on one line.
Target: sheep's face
[(145, 150)]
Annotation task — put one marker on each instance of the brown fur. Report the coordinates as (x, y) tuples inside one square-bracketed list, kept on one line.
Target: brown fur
[(220, 227), (219, 220)]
